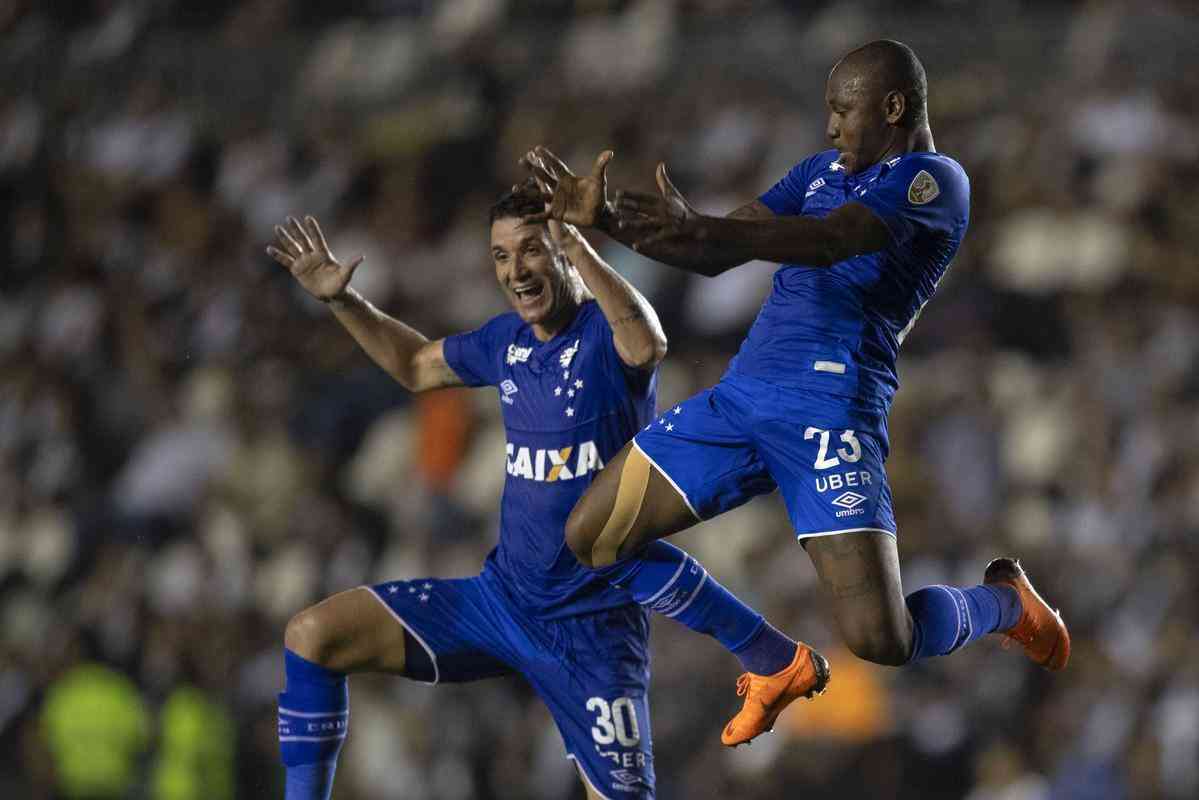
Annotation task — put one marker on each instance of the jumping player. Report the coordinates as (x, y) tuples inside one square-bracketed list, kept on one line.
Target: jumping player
[(575, 368), (864, 232)]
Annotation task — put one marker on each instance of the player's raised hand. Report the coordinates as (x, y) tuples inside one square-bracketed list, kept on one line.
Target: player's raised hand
[(655, 218), (303, 250), (570, 198)]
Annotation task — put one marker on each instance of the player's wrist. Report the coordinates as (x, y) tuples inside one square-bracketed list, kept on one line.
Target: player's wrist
[(340, 300), (606, 219)]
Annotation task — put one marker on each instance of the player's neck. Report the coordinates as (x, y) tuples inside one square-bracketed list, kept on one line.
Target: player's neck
[(917, 140), (561, 319)]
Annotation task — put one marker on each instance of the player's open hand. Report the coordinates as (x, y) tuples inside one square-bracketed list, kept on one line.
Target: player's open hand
[(306, 254), (570, 198), (653, 218)]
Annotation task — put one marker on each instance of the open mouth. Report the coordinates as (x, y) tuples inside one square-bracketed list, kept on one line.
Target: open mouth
[(527, 294)]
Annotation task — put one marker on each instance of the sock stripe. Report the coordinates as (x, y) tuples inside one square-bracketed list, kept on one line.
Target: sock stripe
[(313, 715), (691, 599), (965, 627), (673, 579), (969, 617), (311, 738)]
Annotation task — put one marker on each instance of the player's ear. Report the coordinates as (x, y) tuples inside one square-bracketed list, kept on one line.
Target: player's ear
[(895, 106)]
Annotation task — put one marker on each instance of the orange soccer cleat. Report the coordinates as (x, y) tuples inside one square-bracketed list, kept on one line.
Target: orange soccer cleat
[(1040, 629), (767, 695)]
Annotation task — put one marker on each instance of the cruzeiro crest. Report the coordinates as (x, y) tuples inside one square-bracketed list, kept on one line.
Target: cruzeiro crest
[(923, 188)]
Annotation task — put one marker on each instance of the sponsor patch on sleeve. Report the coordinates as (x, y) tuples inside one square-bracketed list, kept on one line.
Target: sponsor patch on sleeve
[(923, 188)]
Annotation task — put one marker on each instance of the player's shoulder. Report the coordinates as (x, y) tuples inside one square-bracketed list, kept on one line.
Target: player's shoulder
[(505, 323), (928, 176), (818, 163), (937, 165)]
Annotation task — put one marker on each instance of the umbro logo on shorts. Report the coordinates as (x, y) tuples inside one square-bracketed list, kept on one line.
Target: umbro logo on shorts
[(849, 501)]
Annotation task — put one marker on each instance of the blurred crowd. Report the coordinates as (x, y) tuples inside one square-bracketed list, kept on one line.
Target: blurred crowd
[(191, 450)]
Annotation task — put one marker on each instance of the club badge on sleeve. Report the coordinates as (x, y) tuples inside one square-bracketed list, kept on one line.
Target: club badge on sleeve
[(923, 188)]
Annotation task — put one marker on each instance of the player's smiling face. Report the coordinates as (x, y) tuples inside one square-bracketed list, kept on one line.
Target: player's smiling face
[(857, 122), (530, 269)]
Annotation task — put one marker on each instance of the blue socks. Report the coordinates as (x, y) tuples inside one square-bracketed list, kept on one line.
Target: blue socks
[(314, 716), (665, 579), (947, 618), (770, 651)]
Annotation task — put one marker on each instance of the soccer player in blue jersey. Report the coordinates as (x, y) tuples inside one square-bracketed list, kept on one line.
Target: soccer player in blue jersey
[(864, 232), (574, 364)]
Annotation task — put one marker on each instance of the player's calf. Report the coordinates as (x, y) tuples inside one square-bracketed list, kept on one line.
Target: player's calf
[(948, 618), (348, 632), (314, 717)]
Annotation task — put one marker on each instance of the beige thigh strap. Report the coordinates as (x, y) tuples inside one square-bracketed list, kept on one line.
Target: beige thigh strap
[(634, 478)]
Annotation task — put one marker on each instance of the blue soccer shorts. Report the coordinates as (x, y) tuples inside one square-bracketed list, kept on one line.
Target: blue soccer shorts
[(592, 671), (745, 437)]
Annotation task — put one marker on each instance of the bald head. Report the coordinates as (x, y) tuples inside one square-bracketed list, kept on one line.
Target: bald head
[(884, 66)]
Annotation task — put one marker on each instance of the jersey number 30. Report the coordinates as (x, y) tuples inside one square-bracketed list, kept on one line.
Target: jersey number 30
[(823, 461), (616, 722)]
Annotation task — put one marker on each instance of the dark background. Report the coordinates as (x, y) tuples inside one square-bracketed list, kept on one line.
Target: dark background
[(191, 450)]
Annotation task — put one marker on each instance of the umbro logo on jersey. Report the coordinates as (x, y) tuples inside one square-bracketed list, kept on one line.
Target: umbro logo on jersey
[(508, 387), (516, 354), (548, 466), (923, 188)]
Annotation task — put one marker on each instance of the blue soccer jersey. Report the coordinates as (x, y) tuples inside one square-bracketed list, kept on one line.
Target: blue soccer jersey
[(803, 406), (837, 330), (569, 404)]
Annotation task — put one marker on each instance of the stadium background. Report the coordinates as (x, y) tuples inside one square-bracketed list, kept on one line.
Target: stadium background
[(191, 450)]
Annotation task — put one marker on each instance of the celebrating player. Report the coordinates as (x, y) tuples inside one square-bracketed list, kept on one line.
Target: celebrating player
[(575, 366), (864, 232)]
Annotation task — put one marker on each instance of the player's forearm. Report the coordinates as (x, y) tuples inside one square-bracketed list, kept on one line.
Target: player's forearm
[(688, 255), (636, 330), (390, 343), (782, 240)]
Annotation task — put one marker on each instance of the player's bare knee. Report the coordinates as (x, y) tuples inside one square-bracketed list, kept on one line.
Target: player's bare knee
[(307, 637), (581, 535), (880, 648)]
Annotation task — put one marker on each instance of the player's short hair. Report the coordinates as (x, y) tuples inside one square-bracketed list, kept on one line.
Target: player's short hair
[(894, 66), (520, 202)]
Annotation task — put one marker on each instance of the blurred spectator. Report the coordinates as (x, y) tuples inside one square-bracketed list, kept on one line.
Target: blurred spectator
[(97, 728)]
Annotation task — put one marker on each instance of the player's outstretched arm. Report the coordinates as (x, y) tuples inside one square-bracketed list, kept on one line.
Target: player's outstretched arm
[(668, 220), (404, 353), (636, 331), (664, 227), (583, 200)]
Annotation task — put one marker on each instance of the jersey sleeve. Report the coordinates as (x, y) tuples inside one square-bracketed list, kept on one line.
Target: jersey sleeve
[(928, 193), (638, 381), (786, 197), (475, 355)]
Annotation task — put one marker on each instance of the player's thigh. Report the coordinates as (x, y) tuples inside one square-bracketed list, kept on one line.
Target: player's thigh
[(860, 573), (589, 791), (348, 632), (460, 629), (627, 505), (693, 462)]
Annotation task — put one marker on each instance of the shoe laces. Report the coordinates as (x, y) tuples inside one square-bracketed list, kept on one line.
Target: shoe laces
[(743, 684)]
